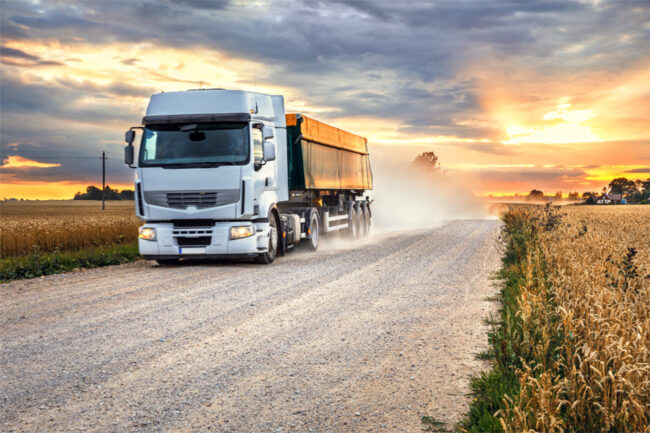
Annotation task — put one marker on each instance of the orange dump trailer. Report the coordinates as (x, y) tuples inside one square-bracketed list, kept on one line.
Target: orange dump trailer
[(323, 157)]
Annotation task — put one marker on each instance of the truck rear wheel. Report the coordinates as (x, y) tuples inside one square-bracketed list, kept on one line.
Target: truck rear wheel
[(353, 223), (364, 218), (314, 231), (272, 248)]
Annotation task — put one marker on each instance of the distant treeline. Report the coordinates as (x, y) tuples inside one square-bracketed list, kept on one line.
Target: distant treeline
[(94, 193), (633, 191)]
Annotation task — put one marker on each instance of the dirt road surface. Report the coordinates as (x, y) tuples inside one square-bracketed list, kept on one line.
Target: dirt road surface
[(344, 340)]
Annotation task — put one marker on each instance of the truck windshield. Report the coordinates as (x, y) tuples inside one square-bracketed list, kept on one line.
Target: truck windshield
[(202, 144)]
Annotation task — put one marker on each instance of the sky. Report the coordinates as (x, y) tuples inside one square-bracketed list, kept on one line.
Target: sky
[(512, 95)]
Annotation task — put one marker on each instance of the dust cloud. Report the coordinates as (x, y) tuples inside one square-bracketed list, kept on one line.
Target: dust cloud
[(406, 197)]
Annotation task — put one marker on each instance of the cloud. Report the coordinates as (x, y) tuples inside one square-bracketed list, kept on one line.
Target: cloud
[(523, 179), (18, 54), (130, 62), (640, 170), (18, 162), (449, 75), (9, 55), (64, 99)]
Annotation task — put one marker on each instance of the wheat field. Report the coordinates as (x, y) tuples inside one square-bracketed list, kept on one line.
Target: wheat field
[(586, 307), (32, 226)]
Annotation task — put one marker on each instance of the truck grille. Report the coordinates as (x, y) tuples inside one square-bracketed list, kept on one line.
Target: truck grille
[(198, 199)]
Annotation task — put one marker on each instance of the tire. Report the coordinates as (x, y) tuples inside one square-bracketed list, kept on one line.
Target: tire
[(364, 222), (273, 245), (353, 223), (314, 231), (167, 262)]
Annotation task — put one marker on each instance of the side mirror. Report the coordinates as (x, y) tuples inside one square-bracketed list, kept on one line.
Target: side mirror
[(129, 136), (267, 132), (269, 151), (128, 154)]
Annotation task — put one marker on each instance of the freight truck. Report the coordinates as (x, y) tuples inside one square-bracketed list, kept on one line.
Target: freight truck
[(227, 173)]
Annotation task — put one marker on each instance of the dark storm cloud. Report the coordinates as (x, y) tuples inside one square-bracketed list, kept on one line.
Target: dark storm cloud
[(420, 40), (59, 101), (316, 46), (212, 5), (18, 54), (77, 152), (7, 56), (402, 62), (44, 121)]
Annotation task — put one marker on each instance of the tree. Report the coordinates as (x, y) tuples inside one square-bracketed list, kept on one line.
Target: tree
[(536, 195), (94, 193), (127, 194), (427, 161), (623, 186), (636, 197), (574, 195), (646, 195), (645, 185)]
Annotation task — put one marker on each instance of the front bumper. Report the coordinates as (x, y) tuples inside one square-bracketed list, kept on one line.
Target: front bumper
[(176, 242)]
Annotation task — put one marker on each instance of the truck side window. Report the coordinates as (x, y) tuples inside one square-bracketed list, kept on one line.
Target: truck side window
[(149, 144), (258, 148)]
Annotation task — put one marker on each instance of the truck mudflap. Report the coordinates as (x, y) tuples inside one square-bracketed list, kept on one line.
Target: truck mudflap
[(203, 242)]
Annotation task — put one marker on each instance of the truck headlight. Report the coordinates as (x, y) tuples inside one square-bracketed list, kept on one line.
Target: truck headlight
[(239, 232), (147, 233)]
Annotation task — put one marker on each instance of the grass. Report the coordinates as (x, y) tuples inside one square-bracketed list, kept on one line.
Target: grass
[(40, 263), (490, 388), (570, 349), (431, 424)]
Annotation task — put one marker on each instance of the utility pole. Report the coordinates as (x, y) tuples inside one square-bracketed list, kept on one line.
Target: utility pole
[(103, 158)]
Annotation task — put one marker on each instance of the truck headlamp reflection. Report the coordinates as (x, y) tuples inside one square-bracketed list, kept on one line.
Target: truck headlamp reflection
[(239, 232), (147, 233)]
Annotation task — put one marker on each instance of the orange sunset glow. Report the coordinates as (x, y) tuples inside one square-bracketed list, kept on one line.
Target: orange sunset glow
[(510, 100)]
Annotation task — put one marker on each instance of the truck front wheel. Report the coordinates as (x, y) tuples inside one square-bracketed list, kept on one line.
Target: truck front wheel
[(272, 248)]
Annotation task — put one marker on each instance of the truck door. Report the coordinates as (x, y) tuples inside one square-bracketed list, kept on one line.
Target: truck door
[(265, 173)]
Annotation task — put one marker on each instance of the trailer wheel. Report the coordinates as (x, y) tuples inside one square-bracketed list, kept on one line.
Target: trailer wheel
[(272, 249), (353, 223), (314, 231), (365, 219)]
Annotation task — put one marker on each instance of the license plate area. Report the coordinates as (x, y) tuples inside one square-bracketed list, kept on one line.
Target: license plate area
[(191, 250)]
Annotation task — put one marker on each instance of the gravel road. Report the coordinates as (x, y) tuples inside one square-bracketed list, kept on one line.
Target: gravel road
[(344, 340)]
